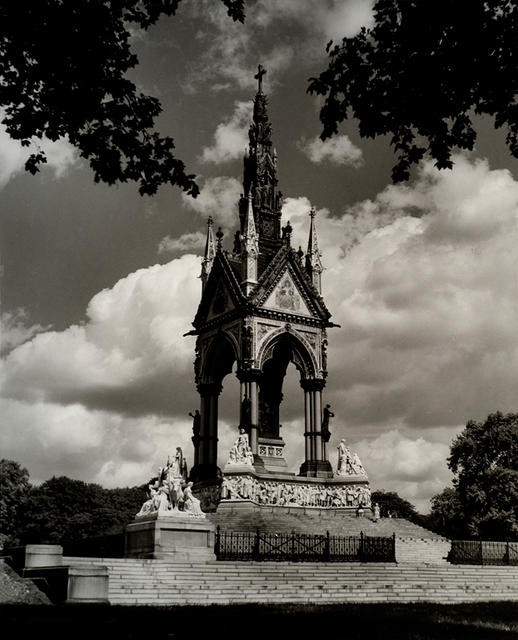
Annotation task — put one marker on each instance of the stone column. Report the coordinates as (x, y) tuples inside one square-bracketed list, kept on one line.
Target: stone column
[(249, 391), (206, 459), (316, 464)]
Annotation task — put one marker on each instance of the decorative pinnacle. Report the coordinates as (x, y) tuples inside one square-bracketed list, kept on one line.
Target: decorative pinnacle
[(219, 236), (259, 77)]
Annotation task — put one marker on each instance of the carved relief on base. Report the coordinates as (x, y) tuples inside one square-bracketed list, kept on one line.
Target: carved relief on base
[(282, 493)]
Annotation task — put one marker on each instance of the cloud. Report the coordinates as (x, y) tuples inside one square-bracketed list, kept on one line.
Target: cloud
[(61, 156), (413, 467), (422, 279), (272, 34), (14, 330), (427, 300), (187, 242), (231, 136), (218, 198), (337, 150), (124, 357)]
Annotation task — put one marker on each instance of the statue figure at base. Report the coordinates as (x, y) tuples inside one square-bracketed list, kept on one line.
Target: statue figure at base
[(349, 464), (328, 414), (169, 493), (240, 453), (191, 504)]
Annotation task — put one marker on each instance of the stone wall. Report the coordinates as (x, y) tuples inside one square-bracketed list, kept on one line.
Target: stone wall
[(161, 583)]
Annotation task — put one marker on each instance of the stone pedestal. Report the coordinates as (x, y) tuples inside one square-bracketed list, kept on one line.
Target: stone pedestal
[(175, 537), (88, 584), (271, 455), (316, 469), (43, 555)]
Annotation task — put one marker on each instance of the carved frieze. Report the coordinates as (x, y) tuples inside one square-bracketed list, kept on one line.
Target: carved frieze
[(282, 493)]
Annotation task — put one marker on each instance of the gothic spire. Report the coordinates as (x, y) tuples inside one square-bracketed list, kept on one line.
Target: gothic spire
[(210, 252), (249, 250), (260, 177), (313, 262)]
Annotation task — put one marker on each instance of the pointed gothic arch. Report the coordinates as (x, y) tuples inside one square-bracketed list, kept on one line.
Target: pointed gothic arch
[(302, 354), (219, 358)]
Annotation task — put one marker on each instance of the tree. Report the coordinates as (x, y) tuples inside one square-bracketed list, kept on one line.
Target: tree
[(63, 73), (484, 459), (447, 515), (393, 505), (421, 72), (14, 486), (62, 510)]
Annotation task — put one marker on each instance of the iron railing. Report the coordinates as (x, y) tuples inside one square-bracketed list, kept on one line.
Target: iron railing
[(302, 547), (483, 552)]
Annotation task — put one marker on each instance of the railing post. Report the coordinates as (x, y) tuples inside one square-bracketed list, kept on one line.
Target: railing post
[(293, 545), (481, 552), (256, 544), (361, 547), (394, 547), (327, 548), (507, 558), (217, 542)]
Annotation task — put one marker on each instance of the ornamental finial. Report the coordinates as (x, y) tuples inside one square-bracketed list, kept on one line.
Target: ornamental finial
[(259, 77)]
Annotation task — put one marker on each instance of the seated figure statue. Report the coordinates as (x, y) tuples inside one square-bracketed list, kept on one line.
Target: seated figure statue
[(349, 464), (191, 504), (240, 452)]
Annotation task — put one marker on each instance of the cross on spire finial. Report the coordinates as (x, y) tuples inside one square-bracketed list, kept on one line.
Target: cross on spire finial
[(259, 77)]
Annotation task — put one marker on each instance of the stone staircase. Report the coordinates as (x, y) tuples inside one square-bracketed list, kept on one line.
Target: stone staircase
[(240, 516), (414, 544), (158, 582)]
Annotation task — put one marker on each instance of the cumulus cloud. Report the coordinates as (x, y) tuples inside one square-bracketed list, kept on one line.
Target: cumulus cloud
[(125, 355), (426, 301), (218, 198), (186, 242), (422, 280), (61, 156), (338, 150), (14, 330), (231, 136), (413, 467), (232, 50)]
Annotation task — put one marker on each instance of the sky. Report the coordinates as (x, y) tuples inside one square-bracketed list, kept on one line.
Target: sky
[(99, 284)]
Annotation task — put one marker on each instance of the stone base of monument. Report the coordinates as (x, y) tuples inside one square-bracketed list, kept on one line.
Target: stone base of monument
[(287, 490), (174, 537), (316, 469)]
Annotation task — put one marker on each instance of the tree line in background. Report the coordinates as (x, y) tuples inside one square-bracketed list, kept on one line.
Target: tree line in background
[(482, 503)]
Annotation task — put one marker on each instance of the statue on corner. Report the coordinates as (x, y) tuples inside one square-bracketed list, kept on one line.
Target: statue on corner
[(349, 464), (170, 493), (240, 452), (328, 414)]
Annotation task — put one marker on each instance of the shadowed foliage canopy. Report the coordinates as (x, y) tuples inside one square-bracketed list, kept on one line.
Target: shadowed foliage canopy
[(421, 72), (63, 71), (393, 505), (62, 510), (484, 459), (14, 487)]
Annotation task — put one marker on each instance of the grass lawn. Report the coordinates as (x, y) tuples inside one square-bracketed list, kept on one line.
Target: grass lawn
[(484, 621)]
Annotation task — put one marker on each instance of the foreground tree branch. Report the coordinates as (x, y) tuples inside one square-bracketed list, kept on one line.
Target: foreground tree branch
[(62, 74), (421, 72)]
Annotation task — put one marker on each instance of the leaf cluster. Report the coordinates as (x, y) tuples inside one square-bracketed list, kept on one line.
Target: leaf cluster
[(63, 69), (420, 73), (14, 488), (484, 459), (63, 510)]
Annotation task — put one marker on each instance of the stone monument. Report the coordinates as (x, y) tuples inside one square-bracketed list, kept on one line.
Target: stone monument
[(262, 308), (171, 523)]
